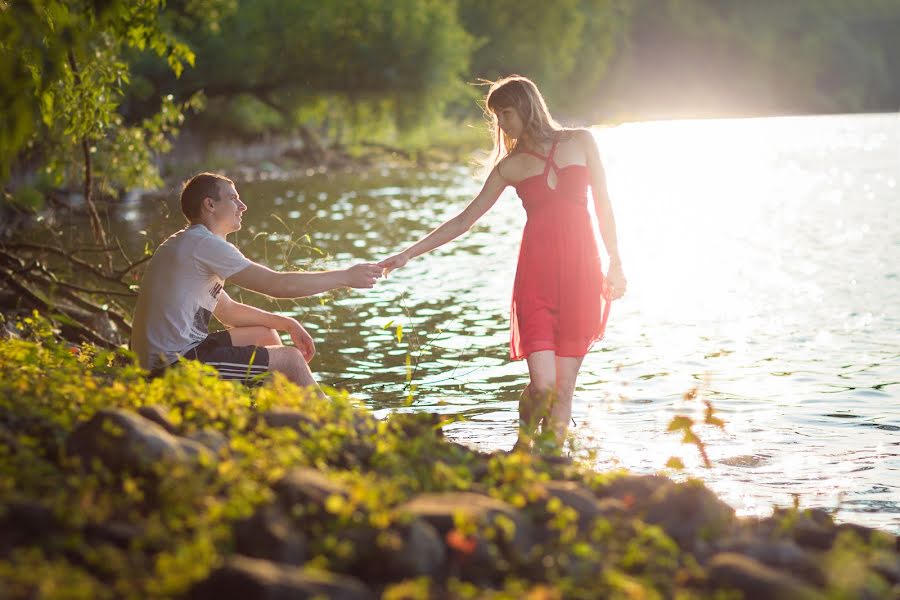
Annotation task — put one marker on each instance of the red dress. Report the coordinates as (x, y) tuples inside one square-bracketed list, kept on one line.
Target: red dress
[(557, 301)]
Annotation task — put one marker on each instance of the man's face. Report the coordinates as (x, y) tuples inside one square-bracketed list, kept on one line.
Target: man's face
[(228, 209)]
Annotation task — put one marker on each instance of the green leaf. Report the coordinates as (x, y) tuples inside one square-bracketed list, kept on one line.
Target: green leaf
[(675, 463), (679, 422), (400, 333)]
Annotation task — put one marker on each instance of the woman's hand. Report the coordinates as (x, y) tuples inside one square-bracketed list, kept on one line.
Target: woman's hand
[(302, 340), (615, 281), (394, 262)]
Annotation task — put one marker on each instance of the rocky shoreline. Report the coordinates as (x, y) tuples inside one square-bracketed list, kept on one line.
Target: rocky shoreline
[(190, 487)]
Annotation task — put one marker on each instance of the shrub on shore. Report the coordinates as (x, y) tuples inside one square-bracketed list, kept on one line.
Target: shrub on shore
[(116, 486)]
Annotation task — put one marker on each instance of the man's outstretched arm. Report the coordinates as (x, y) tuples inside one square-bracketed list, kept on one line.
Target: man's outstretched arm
[(296, 284)]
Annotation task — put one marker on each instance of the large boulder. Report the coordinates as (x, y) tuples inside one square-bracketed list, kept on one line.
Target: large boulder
[(756, 580), (691, 514), (781, 554), (307, 486), (635, 491), (242, 578), (269, 534), (159, 415), (124, 441), (500, 538), (582, 501), (412, 547)]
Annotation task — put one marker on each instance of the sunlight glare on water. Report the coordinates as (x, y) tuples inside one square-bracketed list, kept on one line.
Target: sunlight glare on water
[(763, 260)]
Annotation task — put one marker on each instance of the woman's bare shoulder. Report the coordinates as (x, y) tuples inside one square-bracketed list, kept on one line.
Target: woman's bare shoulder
[(511, 166)]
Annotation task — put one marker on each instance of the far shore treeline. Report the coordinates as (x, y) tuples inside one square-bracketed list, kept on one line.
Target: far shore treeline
[(112, 81)]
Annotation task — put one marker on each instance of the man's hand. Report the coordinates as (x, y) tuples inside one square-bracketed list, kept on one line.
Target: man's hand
[(394, 262), (302, 340), (362, 275)]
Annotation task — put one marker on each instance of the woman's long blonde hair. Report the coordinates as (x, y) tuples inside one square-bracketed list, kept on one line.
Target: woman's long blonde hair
[(521, 94)]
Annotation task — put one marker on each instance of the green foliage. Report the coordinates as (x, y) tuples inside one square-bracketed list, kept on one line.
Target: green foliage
[(64, 72), (364, 63), (179, 519), (565, 46)]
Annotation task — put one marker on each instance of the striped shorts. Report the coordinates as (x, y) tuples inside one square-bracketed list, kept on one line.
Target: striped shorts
[(247, 364)]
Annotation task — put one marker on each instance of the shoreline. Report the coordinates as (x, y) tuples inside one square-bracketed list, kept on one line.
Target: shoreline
[(192, 487)]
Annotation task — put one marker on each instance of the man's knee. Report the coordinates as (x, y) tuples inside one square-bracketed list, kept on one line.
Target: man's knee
[(286, 358), (271, 338)]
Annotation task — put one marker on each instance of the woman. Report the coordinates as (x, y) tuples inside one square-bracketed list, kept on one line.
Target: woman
[(560, 297)]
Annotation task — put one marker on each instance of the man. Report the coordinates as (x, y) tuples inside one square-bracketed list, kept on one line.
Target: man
[(183, 286)]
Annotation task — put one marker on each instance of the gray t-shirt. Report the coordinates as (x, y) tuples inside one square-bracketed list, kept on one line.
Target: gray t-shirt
[(179, 292)]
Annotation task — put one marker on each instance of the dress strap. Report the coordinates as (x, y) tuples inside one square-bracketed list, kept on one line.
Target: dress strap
[(550, 161)]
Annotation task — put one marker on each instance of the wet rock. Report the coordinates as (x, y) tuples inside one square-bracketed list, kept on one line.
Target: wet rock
[(756, 580), (781, 554), (690, 514), (212, 439), (125, 441), (159, 415), (269, 534), (242, 578), (496, 524)]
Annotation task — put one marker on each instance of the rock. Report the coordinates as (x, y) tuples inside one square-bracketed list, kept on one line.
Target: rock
[(583, 501), (635, 491), (496, 523), (242, 578), (419, 552), (24, 523), (416, 424), (756, 580), (286, 417), (124, 441), (887, 564), (212, 439), (117, 533), (781, 554), (159, 415), (303, 485), (812, 528), (269, 535), (690, 514)]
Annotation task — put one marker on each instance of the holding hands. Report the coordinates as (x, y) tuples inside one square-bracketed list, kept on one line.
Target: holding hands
[(393, 262), (362, 275)]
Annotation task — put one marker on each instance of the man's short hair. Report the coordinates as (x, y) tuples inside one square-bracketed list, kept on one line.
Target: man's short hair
[(196, 189)]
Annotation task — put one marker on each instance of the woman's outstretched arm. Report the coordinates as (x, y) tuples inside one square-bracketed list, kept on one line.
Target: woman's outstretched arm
[(615, 278), (455, 227)]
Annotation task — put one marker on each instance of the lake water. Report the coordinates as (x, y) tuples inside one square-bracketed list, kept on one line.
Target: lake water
[(763, 259)]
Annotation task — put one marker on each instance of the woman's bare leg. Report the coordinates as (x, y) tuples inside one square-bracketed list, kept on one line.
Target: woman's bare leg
[(567, 368), (534, 404)]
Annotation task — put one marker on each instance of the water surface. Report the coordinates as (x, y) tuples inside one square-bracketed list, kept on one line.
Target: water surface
[(763, 259)]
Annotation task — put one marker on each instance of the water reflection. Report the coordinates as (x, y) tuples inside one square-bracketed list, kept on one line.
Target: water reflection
[(762, 260)]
